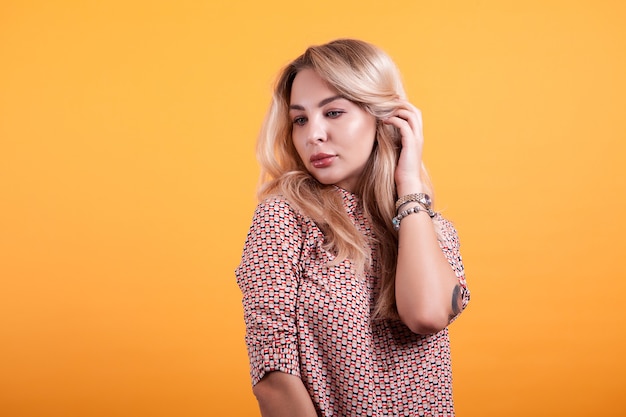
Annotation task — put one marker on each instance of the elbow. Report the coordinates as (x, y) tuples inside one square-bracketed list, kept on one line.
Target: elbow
[(429, 322)]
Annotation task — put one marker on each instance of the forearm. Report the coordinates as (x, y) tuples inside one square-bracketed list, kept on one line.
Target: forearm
[(427, 292), (283, 395)]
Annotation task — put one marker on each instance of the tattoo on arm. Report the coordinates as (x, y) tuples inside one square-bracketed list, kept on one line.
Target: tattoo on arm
[(457, 301)]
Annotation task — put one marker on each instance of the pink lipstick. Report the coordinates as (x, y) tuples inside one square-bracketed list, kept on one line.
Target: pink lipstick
[(322, 160)]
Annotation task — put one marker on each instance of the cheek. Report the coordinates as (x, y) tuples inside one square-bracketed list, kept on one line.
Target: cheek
[(298, 144), (365, 136), (363, 127)]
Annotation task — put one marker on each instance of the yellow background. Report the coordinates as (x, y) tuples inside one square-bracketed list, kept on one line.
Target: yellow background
[(127, 177)]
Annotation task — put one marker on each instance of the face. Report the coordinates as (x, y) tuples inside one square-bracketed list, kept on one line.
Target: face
[(333, 136)]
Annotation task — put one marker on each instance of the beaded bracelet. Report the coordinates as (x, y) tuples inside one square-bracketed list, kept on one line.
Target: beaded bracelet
[(421, 198), (396, 220)]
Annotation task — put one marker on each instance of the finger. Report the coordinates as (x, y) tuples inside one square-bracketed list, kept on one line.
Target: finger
[(412, 115), (408, 123), (408, 106), (402, 122)]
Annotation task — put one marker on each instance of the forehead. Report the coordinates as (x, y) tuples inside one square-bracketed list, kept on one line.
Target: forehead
[(308, 86)]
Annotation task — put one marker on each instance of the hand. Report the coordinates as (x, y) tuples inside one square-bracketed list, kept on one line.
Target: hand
[(408, 119)]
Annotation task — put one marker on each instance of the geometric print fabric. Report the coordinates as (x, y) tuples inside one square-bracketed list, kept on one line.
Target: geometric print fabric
[(312, 320)]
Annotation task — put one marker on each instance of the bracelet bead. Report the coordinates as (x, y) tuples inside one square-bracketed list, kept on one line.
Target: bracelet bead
[(415, 209)]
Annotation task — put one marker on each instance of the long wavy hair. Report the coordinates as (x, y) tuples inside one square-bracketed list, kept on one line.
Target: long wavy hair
[(365, 75)]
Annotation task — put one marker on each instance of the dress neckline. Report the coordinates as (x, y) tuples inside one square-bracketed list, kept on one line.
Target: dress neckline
[(351, 201)]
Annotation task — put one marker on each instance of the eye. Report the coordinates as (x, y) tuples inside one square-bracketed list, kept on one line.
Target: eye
[(333, 114), (299, 120)]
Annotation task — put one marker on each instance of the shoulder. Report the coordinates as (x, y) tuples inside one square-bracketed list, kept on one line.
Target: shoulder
[(277, 206), (279, 212), (275, 201), (278, 233)]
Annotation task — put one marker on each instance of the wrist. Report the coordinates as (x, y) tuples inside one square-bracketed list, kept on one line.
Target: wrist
[(413, 209), (406, 206), (421, 199), (410, 187)]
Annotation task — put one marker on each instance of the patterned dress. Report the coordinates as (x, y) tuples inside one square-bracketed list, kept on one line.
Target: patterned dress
[(313, 321)]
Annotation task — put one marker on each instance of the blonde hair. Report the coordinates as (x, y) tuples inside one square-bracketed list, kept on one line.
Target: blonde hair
[(365, 75)]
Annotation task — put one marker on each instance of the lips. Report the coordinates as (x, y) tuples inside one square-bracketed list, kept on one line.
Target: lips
[(322, 160)]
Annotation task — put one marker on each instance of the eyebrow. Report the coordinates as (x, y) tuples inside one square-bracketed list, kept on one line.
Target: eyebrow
[(320, 104)]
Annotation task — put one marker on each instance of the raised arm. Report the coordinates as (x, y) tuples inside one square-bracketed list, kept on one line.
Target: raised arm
[(428, 292)]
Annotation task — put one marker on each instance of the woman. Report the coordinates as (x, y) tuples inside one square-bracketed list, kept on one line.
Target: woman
[(349, 278)]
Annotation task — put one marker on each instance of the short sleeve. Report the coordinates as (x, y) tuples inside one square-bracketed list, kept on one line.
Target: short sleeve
[(268, 277), (449, 243)]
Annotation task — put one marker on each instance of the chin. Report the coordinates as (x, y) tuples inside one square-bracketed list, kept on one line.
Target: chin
[(325, 181)]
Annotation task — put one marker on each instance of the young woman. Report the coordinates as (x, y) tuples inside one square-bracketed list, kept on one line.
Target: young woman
[(349, 278)]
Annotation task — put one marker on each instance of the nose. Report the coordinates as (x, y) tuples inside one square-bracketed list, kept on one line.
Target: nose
[(316, 131)]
